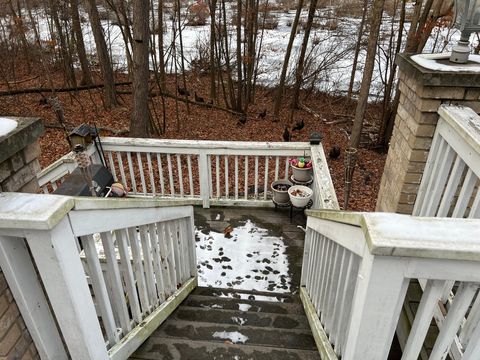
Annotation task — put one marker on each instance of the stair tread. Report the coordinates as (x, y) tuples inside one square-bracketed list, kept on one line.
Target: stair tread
[(234, 317), (247, 294), (174, 349), (250, 335), (243, 305)]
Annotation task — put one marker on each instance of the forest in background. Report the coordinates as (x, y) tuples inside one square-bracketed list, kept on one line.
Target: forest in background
[(222, 70)]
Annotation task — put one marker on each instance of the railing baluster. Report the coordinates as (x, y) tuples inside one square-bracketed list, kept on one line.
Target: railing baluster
[(190, 177), (132, 174), (333, 293), (277, 166), (112, 165), (142, 173), (455, 316), (475, 208), (256, 177), (150, 172), (147, 262), (180, 174), (287, 164), (100, 288), (465, 194), (453, 181), (125, 263), (171, 256), (170, 175), (423, 319), (326, 254), (217, 173), (236, 177), (314, 280), (138, 269), (441, 178), (176, 250), (157, 267), (265, 185), (210, 175), (116, 282), (226, 176), (344, 303), (170, 286), (246, 177), (160, 174), (328, 285), (122, 170)]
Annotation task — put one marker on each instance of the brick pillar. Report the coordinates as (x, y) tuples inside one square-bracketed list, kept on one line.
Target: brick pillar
[(421, 93), (19, 151)]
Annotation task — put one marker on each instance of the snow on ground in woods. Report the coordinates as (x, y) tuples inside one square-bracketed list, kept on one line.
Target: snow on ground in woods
[(251, 259), (333, 53), (7, 126)]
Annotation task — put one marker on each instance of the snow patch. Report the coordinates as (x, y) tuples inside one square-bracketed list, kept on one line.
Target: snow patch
[(431, 62), (7, 126), (234, 336), (244, 307), (239, 320)]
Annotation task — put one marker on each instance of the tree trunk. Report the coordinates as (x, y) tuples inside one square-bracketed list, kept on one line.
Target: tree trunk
[(239, 57), (281, 85), (213, 9), (367, 72), (301, 58), (102, 53), (161, 58), (66, 56), (357, 50), (80, 44), (141, 34)]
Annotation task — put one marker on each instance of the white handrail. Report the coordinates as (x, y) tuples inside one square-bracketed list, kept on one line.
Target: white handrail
[(205, 172), (356, 271), (138, 256)]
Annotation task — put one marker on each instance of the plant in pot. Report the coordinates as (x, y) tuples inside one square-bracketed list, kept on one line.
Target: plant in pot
[(280, 191), (302, 169), (300, 195)]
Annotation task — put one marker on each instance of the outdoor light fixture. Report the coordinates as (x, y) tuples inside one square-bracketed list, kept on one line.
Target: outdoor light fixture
[(467, 20)]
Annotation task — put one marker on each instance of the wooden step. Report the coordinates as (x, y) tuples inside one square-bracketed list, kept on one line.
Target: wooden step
[(247, 295), (175, 349)]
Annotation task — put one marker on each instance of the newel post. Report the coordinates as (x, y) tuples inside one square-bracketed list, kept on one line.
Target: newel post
[(377, 302), (204, 179), (58, 262)]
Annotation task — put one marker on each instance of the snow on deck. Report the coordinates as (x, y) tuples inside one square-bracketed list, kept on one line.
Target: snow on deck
[(7, 126)]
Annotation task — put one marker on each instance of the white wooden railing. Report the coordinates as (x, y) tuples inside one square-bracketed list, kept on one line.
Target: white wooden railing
[(206, 172), (357, 268), (450, 182), (112, 270)]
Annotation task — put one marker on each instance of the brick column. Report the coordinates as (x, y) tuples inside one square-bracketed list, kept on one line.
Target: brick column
[(421, 93), (19, 151)]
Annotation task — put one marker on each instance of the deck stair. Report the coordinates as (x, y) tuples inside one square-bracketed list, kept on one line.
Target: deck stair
[(233, 324)]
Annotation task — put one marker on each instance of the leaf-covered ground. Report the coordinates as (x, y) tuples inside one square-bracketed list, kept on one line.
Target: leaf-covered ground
[(203, 123)]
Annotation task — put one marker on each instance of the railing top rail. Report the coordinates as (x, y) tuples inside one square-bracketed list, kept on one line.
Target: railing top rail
[(465, 121), (390, 234), (204, 144), (44, 212)]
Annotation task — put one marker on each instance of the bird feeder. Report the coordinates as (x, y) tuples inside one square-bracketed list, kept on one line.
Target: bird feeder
[(82, 135), (467, 20)]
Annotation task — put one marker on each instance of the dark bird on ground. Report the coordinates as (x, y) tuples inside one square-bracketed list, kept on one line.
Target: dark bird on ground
[(199, 98), (242, 120), (334, 152), (182, 91), (368, 178), (299, 126), (286, 134), (262, 114)]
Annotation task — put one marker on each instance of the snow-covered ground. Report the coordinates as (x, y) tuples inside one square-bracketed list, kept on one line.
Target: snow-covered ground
[(249, 259), (330, 53)]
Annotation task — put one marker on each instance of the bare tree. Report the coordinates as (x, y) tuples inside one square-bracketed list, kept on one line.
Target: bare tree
[(102, 53), (80, 45), (301, 58), (283, 75), (375, 23), (139, 124)]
